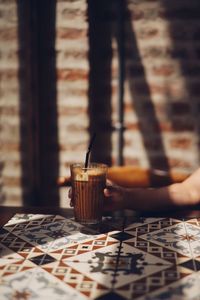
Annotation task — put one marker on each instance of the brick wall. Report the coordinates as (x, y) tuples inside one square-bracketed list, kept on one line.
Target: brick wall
[(161, 91), (161, 86), (72, 81), (10, 170)]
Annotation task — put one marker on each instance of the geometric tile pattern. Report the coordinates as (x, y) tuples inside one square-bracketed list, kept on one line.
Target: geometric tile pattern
[(49, 256)]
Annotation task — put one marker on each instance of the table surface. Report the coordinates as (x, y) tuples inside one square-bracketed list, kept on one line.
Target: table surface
[(44, 253)]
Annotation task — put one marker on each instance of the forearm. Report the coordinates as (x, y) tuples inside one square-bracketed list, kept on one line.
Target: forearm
[(167, 197)]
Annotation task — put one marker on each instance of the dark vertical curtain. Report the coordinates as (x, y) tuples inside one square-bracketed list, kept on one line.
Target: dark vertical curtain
[(37, 76)]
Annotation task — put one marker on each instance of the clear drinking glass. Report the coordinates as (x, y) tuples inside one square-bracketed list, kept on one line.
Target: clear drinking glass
[(87, 191)]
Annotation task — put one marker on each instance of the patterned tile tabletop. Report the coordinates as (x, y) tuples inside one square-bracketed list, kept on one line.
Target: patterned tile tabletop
[(51, 257)]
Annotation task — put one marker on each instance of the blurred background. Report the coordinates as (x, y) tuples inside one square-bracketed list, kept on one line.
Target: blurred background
[(128, 70)]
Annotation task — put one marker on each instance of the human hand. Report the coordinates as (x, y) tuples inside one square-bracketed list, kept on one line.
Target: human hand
[(114, 197)]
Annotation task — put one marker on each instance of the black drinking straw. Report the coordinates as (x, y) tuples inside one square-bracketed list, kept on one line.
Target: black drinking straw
[(89, 150)]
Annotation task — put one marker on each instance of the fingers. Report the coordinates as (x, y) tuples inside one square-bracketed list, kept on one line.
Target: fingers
[(107, 193), (114, 195), (109, 183), (111, 191)]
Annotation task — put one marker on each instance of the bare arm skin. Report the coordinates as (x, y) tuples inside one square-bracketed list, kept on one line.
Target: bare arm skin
[(175, 195)]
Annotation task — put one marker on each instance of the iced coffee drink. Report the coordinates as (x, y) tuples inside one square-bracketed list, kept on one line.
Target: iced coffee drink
[(87, 191)]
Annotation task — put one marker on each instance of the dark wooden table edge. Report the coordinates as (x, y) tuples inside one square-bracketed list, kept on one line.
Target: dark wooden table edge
[(7, 212)]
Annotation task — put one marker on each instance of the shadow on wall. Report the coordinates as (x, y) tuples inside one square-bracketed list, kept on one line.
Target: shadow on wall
[(101, 14), (141, 97), (183, 105), (181, 91), (184, 31), (99, 91)]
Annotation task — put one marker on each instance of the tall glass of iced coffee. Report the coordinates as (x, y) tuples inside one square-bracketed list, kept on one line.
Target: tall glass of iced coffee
[(87, 191)]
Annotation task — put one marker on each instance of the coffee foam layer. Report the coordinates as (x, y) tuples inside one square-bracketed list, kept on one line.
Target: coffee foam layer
[(82, 175)]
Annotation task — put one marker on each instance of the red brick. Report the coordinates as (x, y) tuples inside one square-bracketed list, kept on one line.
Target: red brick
[(11, 181), (9, 110), (70, 111), (180, 143), (165, 126), (180, 162), (132, 126), (137, 14), (164, 70), (75, 54), (162, 52), (75, 91), (10, 147), (70, 74), (146, 33), (71, 33), (158, 89), (71, 13), (130, 161), (8, 74), (8, 34), (76, 147), (129, 107)]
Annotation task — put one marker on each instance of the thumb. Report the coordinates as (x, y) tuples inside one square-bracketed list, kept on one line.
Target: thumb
[(110, 191)]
